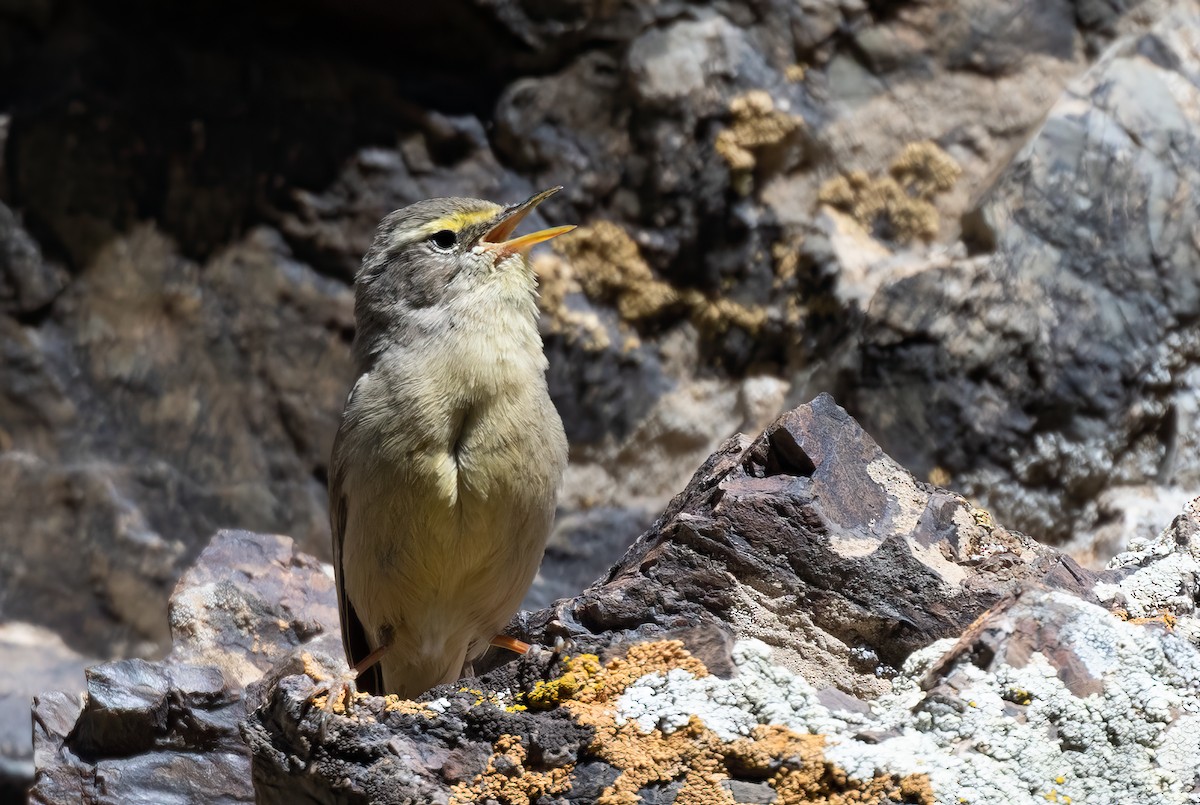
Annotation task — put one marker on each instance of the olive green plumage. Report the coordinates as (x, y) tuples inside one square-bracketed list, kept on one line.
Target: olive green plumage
[(447, 464)]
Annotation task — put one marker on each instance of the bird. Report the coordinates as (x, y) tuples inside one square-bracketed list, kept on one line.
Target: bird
[(450, 453)]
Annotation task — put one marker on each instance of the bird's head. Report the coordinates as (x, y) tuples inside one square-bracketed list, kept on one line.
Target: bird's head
[(446, 257), (438, 248)]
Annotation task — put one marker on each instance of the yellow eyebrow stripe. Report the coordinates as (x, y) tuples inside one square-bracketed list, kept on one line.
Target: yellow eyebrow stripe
[(460, 220)]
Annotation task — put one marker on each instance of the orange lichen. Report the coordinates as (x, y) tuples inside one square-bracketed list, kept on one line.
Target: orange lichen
[(1164, 619), (802, 775), (507, 781), (394, 704), (794, 764)]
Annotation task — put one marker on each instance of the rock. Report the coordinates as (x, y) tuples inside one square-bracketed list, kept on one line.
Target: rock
[(1158, 578), (1008, 680), (1034, 690), (27, 283), (756, 184), (35, 660), (168, 731), (1060, 362), (812, 539)]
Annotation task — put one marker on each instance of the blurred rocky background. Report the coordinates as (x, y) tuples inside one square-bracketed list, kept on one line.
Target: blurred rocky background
[(976, 223)]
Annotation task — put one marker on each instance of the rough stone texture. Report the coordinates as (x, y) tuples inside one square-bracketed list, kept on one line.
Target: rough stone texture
[(174, 372), (895, 202), (814, 540), (991, 640), (34, 660), (167, 731), (1061, 362), (1045, 697)]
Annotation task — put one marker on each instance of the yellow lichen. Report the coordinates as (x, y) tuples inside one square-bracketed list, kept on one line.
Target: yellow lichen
[(756, 124), (794, 73), (605, 263), (1019, 696), (901, 202), (507, 781), (939, 476), (609, 268), (554, 692), (983, 518), (925, 170), (556, 281)]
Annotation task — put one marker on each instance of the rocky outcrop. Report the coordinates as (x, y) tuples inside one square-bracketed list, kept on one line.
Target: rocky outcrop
[(173, 281), (1059, 364), (973, 221), (804, 623), (155, 732), (813, 540)]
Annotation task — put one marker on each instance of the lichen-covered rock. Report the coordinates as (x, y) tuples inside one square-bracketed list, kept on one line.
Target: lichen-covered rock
[(805, 623), (1046, 698)]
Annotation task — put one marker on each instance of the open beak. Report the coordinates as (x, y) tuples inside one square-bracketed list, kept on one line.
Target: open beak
[(497, 239)]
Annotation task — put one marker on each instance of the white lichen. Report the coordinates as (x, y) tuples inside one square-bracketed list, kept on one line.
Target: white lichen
[(1007, 735)]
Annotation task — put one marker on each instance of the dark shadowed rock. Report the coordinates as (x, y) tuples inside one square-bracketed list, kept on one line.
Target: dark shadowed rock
[(27, 282), (168, 731), (812, 539), (34, 659)]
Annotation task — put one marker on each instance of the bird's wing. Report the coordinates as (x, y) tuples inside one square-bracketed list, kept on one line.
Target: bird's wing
[(354, 636)]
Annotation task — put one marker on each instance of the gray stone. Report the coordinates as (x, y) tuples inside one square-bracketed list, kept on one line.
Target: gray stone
[(1063, 365)]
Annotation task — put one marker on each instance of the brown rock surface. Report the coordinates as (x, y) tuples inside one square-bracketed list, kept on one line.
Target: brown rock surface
[(728, 657), (813, 540), (168, 731)]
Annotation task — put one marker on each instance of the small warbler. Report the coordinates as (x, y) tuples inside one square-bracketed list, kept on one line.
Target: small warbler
[(450, 454)]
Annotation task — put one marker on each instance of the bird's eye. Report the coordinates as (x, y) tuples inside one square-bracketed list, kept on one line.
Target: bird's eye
[(444, 239)]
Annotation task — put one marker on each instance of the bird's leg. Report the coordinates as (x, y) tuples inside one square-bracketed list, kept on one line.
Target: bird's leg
[(374, 657), (510, 643)]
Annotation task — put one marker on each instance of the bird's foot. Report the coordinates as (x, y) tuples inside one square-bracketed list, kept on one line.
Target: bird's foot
[(333, 693)]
